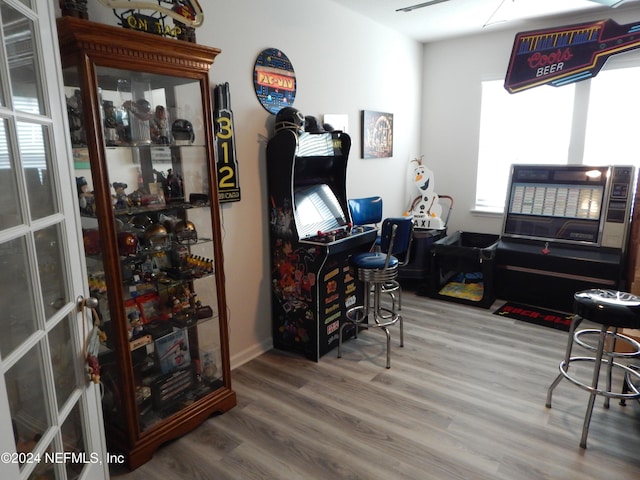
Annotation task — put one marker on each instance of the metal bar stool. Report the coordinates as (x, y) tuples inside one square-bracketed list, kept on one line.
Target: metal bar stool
[(612, 310), (393, 287), (377, 269)]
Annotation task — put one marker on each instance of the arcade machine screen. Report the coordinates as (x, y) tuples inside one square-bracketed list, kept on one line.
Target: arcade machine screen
[(317, 209)]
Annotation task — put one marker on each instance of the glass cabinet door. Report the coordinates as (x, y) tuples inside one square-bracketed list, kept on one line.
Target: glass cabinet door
[(163, 308), (50, 421)]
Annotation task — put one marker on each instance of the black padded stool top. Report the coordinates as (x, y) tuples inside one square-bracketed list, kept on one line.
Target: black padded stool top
[(608, 307)]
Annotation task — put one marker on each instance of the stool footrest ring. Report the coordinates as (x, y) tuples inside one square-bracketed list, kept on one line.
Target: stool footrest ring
[(628, 371), (357, 315), (611, 336)]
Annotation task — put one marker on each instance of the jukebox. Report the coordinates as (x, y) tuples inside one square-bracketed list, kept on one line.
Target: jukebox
[(566, 228), (311, 237)]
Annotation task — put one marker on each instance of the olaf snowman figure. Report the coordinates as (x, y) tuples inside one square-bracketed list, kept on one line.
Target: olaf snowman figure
[(425, 209)]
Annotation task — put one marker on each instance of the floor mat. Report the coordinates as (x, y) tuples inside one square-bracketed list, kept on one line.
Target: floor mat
[(538, 316), (468, 291)]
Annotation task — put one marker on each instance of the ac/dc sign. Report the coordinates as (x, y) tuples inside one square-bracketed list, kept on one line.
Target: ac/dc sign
[(568, 54)]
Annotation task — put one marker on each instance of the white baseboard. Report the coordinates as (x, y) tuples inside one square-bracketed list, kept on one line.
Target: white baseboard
[(250, 353)]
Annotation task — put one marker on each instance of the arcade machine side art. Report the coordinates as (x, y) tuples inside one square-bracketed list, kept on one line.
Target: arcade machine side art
[(311, 237)]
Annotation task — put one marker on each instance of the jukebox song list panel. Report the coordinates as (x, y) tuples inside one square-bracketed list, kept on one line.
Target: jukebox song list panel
[(553, 200)]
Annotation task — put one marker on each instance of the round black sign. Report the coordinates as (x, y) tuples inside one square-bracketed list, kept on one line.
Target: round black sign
[(274, 80)]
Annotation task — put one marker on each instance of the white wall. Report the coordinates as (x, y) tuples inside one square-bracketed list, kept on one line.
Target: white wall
[(453, 72), (344, 63)]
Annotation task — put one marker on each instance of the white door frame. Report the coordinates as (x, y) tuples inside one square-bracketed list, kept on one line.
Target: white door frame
[(87, 394)]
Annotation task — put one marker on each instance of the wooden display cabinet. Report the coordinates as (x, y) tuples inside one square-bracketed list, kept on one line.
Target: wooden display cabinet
[(141, 127)]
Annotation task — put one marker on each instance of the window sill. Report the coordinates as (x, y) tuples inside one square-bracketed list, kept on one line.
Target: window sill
[(486, 212)]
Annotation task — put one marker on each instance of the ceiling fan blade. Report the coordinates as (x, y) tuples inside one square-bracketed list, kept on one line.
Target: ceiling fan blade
[(410, 8)]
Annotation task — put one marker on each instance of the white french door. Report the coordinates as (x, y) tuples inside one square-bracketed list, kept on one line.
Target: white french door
[(50, 415)]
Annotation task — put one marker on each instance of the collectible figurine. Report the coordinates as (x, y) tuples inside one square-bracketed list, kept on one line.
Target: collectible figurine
[(135, 198), (173, 187), (209, 367), (123, 129), (110, 124), (121, 200), (160, 126), (139, 116), (135, 325), (74, 111), (85, 197)]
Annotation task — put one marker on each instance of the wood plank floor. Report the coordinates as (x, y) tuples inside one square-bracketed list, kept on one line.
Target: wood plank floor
[(464, 399)]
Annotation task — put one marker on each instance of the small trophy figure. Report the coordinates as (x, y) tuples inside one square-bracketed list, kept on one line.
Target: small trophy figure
[(110, 124), (76, 125), (121, 200), (85, 197), (160, 126), (139, 116), (135, 325), (173, 190)]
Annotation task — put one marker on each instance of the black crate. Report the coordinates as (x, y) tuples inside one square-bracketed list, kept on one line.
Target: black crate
[(463, 268), (419, 264)]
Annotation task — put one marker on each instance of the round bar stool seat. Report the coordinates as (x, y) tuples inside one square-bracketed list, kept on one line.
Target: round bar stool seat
[(610, 307), (612, 310), (370, 261), (376, 270)]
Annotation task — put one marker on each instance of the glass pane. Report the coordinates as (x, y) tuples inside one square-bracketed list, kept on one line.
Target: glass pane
[(612, 96), (45, 470), (10, 214), (27, 400), (18, 319), (158, 170), (23, 69), (63, 357), (51, 266), (73, 442), (507, 122), (33, 142)]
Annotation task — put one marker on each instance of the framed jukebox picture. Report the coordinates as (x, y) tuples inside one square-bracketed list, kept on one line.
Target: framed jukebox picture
[(377, 134)]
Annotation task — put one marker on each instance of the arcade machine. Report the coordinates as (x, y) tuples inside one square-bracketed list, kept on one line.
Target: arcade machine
[(311, 236), (566, 228)]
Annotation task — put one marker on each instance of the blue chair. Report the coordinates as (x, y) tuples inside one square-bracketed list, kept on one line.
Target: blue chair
[(377, 270), (366, 211)]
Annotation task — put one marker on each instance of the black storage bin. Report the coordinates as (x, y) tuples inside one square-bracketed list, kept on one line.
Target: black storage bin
[(419, 265), (462, 269)]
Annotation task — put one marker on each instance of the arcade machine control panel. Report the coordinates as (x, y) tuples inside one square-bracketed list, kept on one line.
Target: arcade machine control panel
[(338, 235)]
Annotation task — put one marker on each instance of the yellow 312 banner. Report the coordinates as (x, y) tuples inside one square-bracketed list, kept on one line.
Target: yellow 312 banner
[(226, 162)]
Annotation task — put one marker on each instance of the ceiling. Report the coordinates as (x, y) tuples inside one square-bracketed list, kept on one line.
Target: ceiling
[(451, 18)]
